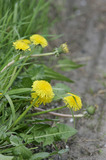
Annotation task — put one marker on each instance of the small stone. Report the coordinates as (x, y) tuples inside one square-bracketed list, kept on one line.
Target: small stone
[(71, 120)]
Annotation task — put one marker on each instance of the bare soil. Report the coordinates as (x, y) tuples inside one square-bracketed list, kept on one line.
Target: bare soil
[(83, 23)]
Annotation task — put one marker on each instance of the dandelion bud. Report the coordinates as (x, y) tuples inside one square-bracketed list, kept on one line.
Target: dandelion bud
[(64, 48), (91, 110)]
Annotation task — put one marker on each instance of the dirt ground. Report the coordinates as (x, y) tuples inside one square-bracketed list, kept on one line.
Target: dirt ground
[(83, 23)]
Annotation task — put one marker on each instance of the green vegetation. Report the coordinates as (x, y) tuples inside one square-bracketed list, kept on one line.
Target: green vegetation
[(23, 137)]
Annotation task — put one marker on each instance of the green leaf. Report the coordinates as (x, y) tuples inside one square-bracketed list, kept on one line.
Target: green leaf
[(36, 71), (26, 82), (11, 105), (63, 151), (23, 151), (44, 72), (49, 139), (51, 74), (40, 155), (60, 90), (43, 155), (67, 65), (19, 91), (3, 132), (21, 97), (2, 157), (15, 141), (47, 134), (65, 131), (42, 120)]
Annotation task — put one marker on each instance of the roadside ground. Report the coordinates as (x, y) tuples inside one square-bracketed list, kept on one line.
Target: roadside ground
[(83, 23)]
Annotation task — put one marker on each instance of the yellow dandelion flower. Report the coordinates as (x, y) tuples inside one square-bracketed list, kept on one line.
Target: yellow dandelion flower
[(0, 94), (64, 48), (26, 41), (43, 90), (73, 101), (37, 39), (21, 45)]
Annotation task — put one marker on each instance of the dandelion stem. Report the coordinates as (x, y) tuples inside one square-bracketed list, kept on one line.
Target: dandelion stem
[(44, 111), (22, 57)]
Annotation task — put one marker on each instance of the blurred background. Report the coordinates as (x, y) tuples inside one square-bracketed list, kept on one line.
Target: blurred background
[(83, 25)]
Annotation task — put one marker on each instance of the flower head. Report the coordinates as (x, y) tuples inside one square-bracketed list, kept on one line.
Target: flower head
[(43, 90), (22, 44), (64, 48), (73, 101), (26, 41), (37, 39)]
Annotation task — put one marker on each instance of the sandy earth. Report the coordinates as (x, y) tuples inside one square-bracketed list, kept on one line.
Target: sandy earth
[(83, 23)]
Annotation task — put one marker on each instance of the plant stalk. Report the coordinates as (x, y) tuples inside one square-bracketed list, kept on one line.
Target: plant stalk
[(35, 55), (45, 111), (57, 114)]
